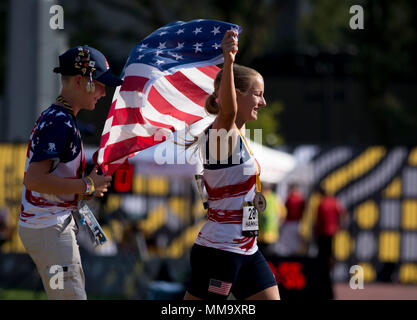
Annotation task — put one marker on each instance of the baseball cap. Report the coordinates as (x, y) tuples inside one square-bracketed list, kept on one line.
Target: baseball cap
[(86, 61)]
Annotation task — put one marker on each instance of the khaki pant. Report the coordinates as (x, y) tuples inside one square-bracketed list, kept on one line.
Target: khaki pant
[(57, 257)]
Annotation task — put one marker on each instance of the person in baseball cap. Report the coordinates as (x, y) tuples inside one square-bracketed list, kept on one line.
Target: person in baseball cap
[(85, 74), (55, 178), (87, 61)]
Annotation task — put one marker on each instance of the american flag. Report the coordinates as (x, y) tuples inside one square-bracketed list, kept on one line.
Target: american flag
[(219, 287), (167, 78)]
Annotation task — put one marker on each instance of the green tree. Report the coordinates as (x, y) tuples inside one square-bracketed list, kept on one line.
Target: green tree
[(256, 17), (385, 52), (268, 122)]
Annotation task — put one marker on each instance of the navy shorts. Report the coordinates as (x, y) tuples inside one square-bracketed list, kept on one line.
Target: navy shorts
[(215, 273)]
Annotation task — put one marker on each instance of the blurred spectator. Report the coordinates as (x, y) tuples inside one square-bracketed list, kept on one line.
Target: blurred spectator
[(328, 221), (129, 244), (290, 240), (295, 203), (270, 220), (6, 229), (133, 241), (330, 216)]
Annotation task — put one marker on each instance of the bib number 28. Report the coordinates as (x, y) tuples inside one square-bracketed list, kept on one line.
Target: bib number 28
[(250, 221)]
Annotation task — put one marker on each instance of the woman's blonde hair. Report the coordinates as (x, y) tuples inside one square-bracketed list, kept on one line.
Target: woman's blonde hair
[(243, 78)]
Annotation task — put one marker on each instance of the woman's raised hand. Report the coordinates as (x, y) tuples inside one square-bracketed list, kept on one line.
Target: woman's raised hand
[(229, 45)]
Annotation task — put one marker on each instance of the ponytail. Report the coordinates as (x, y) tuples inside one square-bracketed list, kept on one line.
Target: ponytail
[(211, 105)]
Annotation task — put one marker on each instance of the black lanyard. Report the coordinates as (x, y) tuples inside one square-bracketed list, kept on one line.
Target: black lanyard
[(65, 103)]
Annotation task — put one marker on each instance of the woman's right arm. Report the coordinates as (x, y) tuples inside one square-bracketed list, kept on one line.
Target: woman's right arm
[(223, 136), (227, 93)]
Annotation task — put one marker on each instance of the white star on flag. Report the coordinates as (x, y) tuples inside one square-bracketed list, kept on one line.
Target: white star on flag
[(215, 30), (180, 45), (68, 124), (177, 56), (158, 52), (197, 47), (74, 150), (158, 62), (162, 33), (162, 45), (142, 47), (216, 46), (197, 30), (140, 57), (180, 31)]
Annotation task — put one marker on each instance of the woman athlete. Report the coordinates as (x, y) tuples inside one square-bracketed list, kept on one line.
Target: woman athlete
[(225, 258)]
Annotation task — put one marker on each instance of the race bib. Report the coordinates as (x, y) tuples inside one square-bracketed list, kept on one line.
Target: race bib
[(250, 221), (87, 218)]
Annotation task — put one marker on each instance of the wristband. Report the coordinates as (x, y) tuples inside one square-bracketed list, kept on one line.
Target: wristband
[(90, 190)]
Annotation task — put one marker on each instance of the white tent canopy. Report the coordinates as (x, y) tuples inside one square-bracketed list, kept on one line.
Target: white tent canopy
[(169, 159), (275, 165)]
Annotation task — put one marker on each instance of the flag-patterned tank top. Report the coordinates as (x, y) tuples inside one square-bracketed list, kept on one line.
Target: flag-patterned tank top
[(228, 186)]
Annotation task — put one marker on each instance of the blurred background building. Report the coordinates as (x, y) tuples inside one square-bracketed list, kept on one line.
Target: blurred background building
[(341, 105)]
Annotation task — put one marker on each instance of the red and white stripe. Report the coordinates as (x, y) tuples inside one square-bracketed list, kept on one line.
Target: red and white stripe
[(41, 210), (228, 189), (219, 287), (149, 106)]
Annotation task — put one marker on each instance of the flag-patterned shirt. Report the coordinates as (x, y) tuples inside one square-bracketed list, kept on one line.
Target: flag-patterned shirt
[(54, 136), (228, 186)]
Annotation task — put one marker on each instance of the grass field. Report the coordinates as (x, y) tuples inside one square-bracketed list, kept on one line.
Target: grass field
[(20, 294)]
